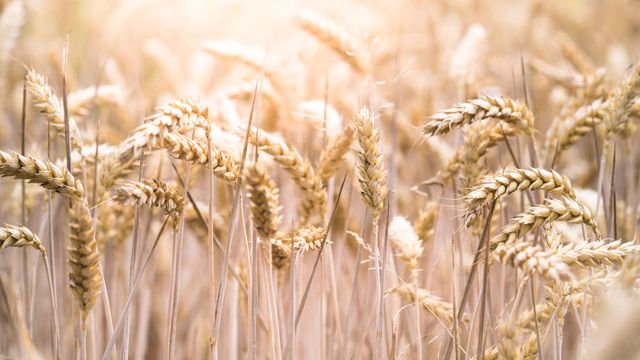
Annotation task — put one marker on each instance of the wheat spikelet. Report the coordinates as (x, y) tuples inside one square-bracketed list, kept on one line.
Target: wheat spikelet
[(264, 202), (45, 100), (333, 154), (85, 278), (479, 138), (436, 306), (314, 199), (81, 100), (330, 34), (496, 186), (41, 172), (183, 113), (405, 241), (485, 107), (153, 193), (564, 209), (19, 236), (371, 173)]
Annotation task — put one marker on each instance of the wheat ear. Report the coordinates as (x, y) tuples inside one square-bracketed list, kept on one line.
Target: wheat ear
[(153, 193), (485, 107), (478, 140), (435, 305), (572, 126), (405, 241), (314, 199), (81, 100), (371, 173), (263, 201), (85, 278), (19, 236), (41, 172), (496, 186), (620, 101), (330, 34), (564, 209), (425, 224), (334, 153)]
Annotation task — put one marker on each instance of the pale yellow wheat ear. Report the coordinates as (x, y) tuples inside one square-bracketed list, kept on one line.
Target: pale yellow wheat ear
[(333, 154), (313, 205), (425, 223), (105, 95), (574, 55), (19, 236), (252, 57), (405, 241), (196, 151), (305, 239), (371, 172), (153, 193), (433, 304), (50, 105), (479, 138), (333, 36), (496, 186), (619, 104), (85, 277), (485, 107), (535, 216), (572, 126), (264, 202), (40, 172)]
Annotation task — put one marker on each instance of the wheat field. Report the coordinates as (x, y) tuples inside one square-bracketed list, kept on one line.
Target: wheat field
[(226, 179)]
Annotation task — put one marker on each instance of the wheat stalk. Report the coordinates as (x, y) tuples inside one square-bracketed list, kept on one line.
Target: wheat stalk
[(485, 107)]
